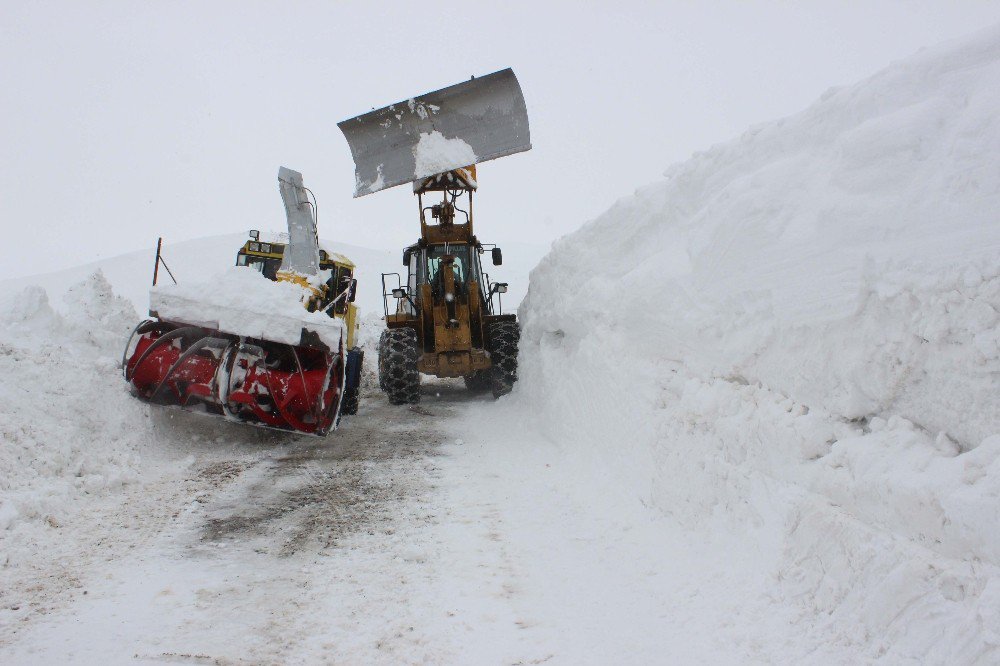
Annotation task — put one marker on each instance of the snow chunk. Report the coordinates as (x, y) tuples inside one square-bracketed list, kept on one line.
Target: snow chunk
[(379, 181), (93, 314), (421, 109), (29, 310), (93, 307), (435, 154)]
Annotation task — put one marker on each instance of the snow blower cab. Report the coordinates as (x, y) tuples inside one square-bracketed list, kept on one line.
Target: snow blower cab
[(269, 344), (445, 320), (336, 298)]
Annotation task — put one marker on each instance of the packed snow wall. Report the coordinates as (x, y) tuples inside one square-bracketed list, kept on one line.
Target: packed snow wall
[(68, 427), (794, 337)]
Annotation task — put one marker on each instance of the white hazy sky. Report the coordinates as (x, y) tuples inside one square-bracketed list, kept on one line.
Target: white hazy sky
[(122, 121)]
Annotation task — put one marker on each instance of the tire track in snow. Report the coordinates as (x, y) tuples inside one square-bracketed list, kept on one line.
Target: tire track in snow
[(231, 557)]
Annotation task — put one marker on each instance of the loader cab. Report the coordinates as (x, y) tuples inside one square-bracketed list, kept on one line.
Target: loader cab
[(441, 258), (425, 264)]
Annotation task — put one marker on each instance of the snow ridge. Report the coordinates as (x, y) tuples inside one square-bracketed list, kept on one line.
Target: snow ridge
[(789, 346), (67, 423)]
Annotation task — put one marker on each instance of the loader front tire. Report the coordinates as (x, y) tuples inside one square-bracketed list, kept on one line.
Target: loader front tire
[(504, 338), (383, 343), (398, 351), (479, 381)]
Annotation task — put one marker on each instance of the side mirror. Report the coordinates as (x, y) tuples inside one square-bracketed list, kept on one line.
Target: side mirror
[(497, 256), (254, 234), (406, 258), (353, 293)]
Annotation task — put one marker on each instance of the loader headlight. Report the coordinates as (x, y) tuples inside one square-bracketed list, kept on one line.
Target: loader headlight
[(399, 293), (254, 247)]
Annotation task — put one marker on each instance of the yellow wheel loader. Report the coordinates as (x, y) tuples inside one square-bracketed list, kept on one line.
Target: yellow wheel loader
[(446, 320)]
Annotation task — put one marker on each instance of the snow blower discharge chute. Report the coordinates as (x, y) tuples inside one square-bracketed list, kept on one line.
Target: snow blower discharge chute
[(270, 344)]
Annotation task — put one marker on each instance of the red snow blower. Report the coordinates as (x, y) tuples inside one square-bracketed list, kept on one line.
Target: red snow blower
[(262, 362)]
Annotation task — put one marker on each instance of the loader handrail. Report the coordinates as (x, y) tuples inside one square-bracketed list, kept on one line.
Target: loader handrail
[(492, 289), (386, 293)]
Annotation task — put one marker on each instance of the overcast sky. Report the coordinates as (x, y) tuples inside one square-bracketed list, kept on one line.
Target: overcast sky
[(122, 121)]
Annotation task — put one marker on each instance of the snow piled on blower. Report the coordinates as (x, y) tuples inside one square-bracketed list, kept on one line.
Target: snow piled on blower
[(790, 349), (241, 301), (435, 153)]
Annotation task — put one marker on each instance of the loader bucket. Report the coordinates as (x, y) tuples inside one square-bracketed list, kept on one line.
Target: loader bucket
[(464, 124)]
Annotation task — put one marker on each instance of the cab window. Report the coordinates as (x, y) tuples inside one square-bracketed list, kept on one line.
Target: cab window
[(460, 266), (269, 267)]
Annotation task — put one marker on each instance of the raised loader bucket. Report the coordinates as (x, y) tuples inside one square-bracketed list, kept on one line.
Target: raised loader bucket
[(464, 124)]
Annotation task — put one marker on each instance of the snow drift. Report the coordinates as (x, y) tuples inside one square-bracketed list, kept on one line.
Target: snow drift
[(794, 338), (200, 259), (68, 426)]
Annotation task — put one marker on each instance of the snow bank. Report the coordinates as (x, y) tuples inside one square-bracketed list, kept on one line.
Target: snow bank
[(200, 259), (68, 427), (793, 338), (241, 301)]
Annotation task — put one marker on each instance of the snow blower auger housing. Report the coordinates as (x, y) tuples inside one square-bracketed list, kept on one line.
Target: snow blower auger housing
[(271, 343)]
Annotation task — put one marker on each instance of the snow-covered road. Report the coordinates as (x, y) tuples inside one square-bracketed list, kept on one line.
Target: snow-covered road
[(444, 533), (251, 547)]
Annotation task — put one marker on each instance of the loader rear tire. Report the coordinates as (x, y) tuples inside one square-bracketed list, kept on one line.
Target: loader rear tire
[(398, 351), (479, 381), (504, 338)]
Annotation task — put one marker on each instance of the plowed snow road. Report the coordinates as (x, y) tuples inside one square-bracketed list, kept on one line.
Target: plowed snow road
[(446, 533)]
